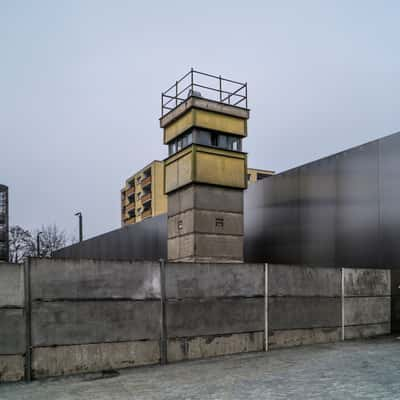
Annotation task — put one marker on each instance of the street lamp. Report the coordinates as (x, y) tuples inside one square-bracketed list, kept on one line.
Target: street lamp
[(79, 215), (38, 243)]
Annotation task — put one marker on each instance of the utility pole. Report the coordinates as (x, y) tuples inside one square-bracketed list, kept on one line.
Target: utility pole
[(38, 243), (79, 215)]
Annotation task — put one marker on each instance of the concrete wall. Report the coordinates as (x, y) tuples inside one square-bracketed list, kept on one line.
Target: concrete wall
[(304, 305), (366, 303), (93, 315), (319, 305), (214, 309), (12, 322), (87, 316)]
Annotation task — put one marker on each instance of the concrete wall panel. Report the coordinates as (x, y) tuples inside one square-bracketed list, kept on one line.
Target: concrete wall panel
[(204, 347), (212, 317), (303, 312), (62, 323), (90, 279), (363, 331), (12, 368), (298, 337), (11, 285), (214, 280), (366, 310), (12, 331), (65, 360), (366, 282), (289, 280)]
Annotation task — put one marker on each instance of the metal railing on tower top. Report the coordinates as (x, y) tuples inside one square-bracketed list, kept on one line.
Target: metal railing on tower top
[(210, 87)]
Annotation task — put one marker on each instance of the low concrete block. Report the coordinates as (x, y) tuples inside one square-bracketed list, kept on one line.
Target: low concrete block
[(66, 360), (292, 280), (79, 322), (363, 331), (366, 310), (303, 312), (297, 337), (214, 316), (212, 346), (12, 368), (366, 282), (94, 279), (188, 280), (12, 331), (11, 285)]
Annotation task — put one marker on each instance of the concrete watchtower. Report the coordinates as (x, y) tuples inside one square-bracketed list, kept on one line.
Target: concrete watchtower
[(204, 118)]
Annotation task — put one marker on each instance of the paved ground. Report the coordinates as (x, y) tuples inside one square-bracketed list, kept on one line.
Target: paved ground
[(367, 369)]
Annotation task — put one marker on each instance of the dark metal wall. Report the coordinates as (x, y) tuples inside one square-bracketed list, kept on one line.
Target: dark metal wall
[(146, 240), (340, 211), (4, 247)]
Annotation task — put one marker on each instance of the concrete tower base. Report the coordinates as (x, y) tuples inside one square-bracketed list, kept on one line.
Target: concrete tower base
[(205, 224)]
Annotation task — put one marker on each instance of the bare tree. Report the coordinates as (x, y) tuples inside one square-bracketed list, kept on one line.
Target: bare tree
[(52, 238), (21, 244)]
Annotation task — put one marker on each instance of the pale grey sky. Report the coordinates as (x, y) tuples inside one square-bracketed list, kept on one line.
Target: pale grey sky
[(80, 85)]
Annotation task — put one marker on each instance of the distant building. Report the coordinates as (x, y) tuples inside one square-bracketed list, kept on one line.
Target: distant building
[(143, 194), (4, 247)]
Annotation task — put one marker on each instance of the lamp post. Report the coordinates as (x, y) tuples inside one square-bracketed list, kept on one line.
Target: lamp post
[(38, 243), (79, 215)]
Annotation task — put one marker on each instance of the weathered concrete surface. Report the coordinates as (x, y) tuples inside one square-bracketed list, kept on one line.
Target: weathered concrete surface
[(11, 285), (79, 322), (188, 280), (12, 368), (12, 331), (364, 331), (293, 280), (65, 360), (212, 346), (205, 197), (366, 310), (90, 279), (212, 317), (297, 337), (366, 282), (303, 312)]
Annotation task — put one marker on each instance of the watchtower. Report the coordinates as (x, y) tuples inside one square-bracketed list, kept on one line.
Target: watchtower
[(204, 119)]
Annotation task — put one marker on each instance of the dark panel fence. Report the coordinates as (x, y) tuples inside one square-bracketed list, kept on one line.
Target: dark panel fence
[(340, 211)]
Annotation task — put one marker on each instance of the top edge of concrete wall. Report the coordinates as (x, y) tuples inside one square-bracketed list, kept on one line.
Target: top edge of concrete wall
[(196, 280), (94, 279)]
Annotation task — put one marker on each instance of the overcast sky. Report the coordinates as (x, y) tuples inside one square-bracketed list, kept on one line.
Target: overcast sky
[(80, 85)]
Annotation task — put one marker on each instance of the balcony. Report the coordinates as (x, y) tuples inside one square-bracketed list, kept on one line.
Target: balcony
[(130, 206), (146, 213), (145, 198), (130, 191), (129, 220), (146, 181)]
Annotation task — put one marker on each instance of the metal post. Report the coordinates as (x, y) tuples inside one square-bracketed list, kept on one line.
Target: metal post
[(163, 320), (191, 80), (176, 94), (79, 215), (28, 324), (220, 89), (246, 93), (38, 244)]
